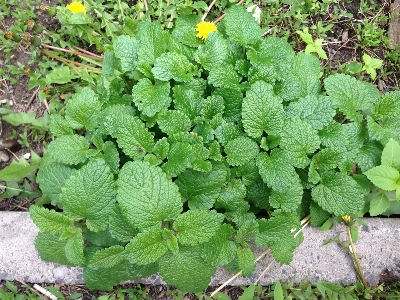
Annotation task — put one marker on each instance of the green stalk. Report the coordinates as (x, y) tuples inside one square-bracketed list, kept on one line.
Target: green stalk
[(355, 259)]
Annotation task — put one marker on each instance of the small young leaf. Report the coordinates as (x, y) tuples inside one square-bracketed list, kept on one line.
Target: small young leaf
[(246, 260), (391, 154), (384, 177), (379, 204), (197, 226), (278, 292)]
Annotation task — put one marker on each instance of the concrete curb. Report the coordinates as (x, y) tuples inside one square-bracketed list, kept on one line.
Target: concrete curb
[(377, 246)]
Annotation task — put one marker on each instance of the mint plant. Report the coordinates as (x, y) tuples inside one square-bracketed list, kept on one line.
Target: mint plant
[(188, 150)]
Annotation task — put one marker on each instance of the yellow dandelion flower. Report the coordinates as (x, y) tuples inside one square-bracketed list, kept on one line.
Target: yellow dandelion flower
[(76, 7), (204, 29), (346, 218)]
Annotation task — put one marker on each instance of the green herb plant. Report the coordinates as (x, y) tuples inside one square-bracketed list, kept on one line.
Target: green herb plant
[(188, 150)]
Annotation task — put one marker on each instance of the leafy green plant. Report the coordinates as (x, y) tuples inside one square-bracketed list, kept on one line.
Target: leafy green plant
[(312, 46), (371, 64), (188, 150)]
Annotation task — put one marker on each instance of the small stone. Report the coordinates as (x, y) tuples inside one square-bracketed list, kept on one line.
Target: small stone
[(27, 156), (4, 156)]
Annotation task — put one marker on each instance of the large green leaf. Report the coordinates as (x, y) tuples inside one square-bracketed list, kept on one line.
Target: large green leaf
[(125, 48), (70, 149), (146, 196), (90, 194), (213, 52), (49, 220), (173, 66), (241, 150), (152, 41), (384, 177), (107, 258), (262, 110), (219, 250)]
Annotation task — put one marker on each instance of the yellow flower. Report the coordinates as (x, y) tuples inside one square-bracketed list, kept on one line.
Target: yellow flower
[(76, 7), (204, 29), (346, 218)]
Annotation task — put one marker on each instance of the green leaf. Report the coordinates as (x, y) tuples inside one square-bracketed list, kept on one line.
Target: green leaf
[(224, 75), (241, 27), (289, 199), (318, 215), (278, 292), (61, 75), (262, 110), (258, 193), (212, 106), (187, 101), (201, 189), (90, 193), (119, 225), (219, 250), (233, 99), (277, 234), (111, 156), (151, 99), (49, 220), (213, 52), (173, 66), (384, 177), (318, 111), (369, 155), (59, 126), (184, 30), (147, 247), (133, 137), (69, 149), (51, 248), (146, 196), (335, 136), (74, 249), (391, 154), (227, 132), (180, 157), (351, 95), (125, 48), (152, 41), (370, 64), (275, 171), (384, 130), (232, 197), (299, 139), (173, 121), (106, 258), (51, 179), (161, 148), (83, 109), (18, 170), (246, 260), (388, 106), (240, 151), (197, 226), (249, 173), (186, 270), (338, 194), (379, 204), (327, 159)]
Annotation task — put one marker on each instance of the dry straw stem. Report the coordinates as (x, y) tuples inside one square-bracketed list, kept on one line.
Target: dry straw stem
[(303, 222), (219, 18)]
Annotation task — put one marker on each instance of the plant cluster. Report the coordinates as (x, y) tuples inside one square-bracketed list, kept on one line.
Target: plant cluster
[(188, 150)]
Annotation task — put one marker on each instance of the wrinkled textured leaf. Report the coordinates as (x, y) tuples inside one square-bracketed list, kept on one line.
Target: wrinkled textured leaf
[(125, 48), (173, 66), (289, 199), (174, 121), (152, 41), (90, 193), (226, 132), (147, 196), (246, 260), (119, 226), (384, 177), (262, 110), (219, 251), (49, 220), (106, 258), (184, 30), (241, 26), (318, 215), (232, 197), (391, 154), (187, 101), (224, 75), (69, 149), (197, 226), (213, 52), (388, 106), (240, 151), (51, 248)]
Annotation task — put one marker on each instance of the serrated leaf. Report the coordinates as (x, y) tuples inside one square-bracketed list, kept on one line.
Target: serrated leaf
[(384, 177), (226, 132), (258, 193), (173, 121), (233, 99), (59, 126), (213, 52), (246, 260), (224, 75), (369, 155), (379, 204), (106, 279), (327, 159), (338, 194), (219, 251), (197, 226), (318, 111), (147, 247), (69, 149), (318, 215), (161, 148), (249, 173), (119, 226), (90, 193), (133, 137), (49, 220), (173, 66), (275, 171), (187, 101), (186, 270), (51, 248), (74, 249), (151, 99), (16, 169), (51, 179), (383, 131), (289, 199), (184, 30), (125, 48), (212, 106), (351, 95), (241, 150), (83, 109), (299, 139), (106, 258), (334, 136), (277, 234), (388, 106), (391, 154), (232, 197), (146, 195), (152, 41), (262, 110), (241, 26), (111, 156), (201, 189), (100, 239)]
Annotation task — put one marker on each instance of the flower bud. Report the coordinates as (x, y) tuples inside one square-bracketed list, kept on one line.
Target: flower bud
[(37, 29), (35, 41), (51, 11)]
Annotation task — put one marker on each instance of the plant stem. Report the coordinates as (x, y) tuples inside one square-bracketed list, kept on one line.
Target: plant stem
[(223, 15), (10, 188), (73, 52), (355, 258), (208, 9)]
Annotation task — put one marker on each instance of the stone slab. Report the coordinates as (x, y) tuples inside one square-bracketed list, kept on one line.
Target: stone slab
[(394, 26), (378, 248)]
